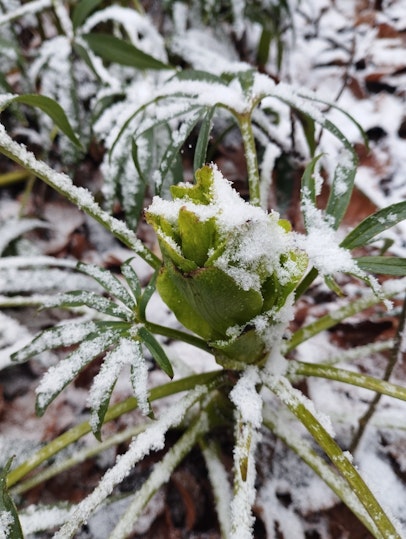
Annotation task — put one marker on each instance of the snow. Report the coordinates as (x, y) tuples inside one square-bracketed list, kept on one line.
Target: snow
[(152, 439)]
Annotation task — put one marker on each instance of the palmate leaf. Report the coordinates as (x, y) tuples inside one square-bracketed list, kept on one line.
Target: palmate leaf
[(60, 375)]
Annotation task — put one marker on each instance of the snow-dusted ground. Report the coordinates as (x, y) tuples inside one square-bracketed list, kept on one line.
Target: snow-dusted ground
[(346, 51)]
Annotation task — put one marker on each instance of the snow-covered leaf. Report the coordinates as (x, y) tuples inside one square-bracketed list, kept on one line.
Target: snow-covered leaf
[(132, 278), (60, 375), (108, 281), (13, 228), (64, 335), (127, 352), (79, 298), (374, 224)]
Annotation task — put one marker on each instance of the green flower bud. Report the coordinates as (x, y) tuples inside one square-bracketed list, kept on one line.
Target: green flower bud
[(225, 263)]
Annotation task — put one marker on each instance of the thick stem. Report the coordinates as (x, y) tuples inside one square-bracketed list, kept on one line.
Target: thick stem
[(297, 404)]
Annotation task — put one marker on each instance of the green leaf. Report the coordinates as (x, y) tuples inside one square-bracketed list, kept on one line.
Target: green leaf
[(63, 335), (147, 294), (374, 224), (384, 265), (81, 10), (156, 350), (78, 298), (132, 278), (308, 182), (341, 188), (60, 375), (52, 109), (116, 50), (203, 140), (108, 281), (10, 523)]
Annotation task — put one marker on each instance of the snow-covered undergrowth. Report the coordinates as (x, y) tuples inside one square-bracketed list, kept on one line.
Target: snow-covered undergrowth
[(163, 92)]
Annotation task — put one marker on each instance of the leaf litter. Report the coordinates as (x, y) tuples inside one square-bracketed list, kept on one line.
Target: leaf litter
[(382, 185)]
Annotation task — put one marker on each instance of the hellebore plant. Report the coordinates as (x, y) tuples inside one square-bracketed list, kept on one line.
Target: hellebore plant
[(229, 267), (230, 272)]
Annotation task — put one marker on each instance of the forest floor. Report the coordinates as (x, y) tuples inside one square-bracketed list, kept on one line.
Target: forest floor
[(357, 60)]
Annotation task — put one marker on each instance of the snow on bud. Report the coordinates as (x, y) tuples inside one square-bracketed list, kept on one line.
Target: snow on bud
[(225, 262)]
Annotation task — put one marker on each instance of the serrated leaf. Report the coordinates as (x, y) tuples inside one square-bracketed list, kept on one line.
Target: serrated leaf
[(375, 224), (10, 527), (132, 278), (79, 298), (156, 350), (108, 281), (383, 265), (60, 375), (81, 10), (116, 50), (53, 110)]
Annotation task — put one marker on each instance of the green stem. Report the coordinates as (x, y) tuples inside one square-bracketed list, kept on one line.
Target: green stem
[(250, 151), (78, 457), (296, 403), (382, 387), (77, 432), (82, 198), (177, 335), (395, 357), (159, 476), (330, 320), (275, 422)]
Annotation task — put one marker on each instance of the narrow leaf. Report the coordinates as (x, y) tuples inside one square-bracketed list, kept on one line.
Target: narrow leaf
[(308, 182), (79, 298), (105, 380), (156, 350), (60, 375), (146, 296), (10, 527), (81, 10), (374, 224), (53, 110), (56, 337), (132, 278), (116, 50), (108, 281), (203, 140), (384, 265)]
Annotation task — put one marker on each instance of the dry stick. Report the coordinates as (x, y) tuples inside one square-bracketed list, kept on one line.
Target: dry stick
[(395, 357)]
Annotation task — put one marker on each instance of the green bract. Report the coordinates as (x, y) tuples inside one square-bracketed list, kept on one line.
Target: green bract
[(228, 266)]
